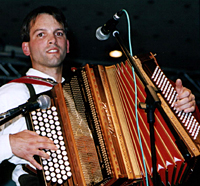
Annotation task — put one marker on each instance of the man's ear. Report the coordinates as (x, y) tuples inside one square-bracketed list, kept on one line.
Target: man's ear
[(67, 46), (25, 48)]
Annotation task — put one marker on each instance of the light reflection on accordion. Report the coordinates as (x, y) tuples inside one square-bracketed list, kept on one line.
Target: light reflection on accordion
[(97, 138)]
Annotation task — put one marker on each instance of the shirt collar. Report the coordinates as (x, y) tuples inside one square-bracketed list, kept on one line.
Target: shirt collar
[(34, 72)]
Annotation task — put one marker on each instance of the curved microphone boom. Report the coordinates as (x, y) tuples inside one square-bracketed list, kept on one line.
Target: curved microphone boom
[(103, 32), (42, 102)]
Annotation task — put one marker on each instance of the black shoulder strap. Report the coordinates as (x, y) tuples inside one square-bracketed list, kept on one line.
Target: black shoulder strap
[(32, 97), (31, 89)]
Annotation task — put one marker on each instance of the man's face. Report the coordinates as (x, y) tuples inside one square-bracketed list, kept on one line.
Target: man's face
[(48, 44)]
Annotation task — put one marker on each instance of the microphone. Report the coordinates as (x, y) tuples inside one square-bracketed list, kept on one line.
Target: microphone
[(103, 32), (42, 102)]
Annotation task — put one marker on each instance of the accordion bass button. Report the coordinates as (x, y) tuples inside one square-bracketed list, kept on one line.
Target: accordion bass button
[(48, 178), (60, 181), (54, 180), (64, 177)]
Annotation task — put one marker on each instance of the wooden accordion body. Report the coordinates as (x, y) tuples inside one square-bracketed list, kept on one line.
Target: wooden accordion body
[(96, 121)]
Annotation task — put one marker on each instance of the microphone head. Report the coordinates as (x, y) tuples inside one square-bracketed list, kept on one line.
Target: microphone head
[(44, 101), (100, 35)]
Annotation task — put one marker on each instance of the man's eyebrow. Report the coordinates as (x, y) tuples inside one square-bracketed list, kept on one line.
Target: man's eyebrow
[(43, 29), (37, 30), (59, 29)]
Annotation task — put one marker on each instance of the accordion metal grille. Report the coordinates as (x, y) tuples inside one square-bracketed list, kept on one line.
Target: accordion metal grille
[(82, 134)]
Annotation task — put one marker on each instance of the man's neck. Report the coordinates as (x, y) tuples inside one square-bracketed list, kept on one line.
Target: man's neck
[(55, 72)]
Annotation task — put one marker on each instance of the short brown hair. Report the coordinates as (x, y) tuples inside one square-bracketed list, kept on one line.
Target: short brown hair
[(55, 12)]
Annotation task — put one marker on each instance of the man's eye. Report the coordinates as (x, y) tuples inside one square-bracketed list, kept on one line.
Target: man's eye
[(59, 33), (40, 34)]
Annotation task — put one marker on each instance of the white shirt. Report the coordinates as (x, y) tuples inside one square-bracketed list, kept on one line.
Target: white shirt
[(11, 96)]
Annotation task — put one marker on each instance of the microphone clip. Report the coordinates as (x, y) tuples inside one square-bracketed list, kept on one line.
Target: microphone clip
[(103, 32)]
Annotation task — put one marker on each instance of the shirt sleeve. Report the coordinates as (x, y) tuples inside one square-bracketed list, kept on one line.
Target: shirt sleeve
[(11, 95), (5, 148)]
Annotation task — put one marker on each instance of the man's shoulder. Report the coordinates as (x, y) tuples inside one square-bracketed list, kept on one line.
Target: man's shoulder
[(12, 87), (13, 94)]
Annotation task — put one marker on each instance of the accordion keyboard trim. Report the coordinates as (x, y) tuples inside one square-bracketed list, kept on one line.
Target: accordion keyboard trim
[(185, 124), (170, 94)]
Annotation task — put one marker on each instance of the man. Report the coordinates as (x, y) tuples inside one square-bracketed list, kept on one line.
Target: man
[(45, 41)]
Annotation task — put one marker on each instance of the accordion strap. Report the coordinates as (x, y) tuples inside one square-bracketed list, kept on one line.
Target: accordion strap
[(35, 80)]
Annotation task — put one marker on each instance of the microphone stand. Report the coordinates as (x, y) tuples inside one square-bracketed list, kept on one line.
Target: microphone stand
[(151, 101), (15, 113), (149, 106)]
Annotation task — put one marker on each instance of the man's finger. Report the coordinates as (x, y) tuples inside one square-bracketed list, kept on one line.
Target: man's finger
[(45, 145), (35, 163), (179, 86)]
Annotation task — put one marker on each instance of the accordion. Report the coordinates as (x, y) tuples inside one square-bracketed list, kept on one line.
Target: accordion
[(102, 135)]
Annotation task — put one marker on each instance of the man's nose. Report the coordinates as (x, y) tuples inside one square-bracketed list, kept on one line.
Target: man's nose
[(52, 39)]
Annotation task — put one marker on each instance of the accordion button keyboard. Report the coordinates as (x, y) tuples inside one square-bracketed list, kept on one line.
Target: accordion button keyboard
[(46, 123)]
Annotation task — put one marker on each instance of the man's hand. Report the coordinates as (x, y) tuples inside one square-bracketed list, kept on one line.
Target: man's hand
[(185, 99), (27, 143)]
